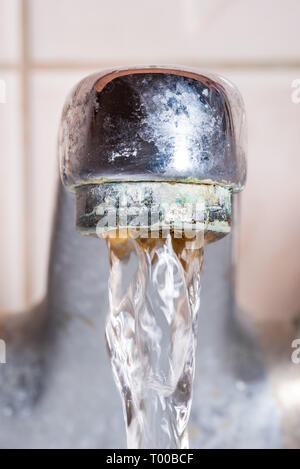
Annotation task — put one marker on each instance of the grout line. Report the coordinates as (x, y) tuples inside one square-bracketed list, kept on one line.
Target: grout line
[(248, 66), (235, 65), (27, 166), (70, 66)]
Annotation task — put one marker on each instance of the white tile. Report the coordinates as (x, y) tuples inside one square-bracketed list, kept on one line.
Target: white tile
[(269, 263), (48, 92), (12, 240), (10, 30), (118, 31)]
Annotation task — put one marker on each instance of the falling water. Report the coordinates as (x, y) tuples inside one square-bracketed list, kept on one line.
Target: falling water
[(151, 335)]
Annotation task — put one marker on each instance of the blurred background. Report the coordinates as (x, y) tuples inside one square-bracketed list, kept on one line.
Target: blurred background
[(46, 46)]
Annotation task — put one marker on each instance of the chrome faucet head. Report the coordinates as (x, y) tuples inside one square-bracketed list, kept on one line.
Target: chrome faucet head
[(150, 124)]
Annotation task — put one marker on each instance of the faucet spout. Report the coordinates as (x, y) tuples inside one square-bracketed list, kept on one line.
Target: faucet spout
[(127, 136)]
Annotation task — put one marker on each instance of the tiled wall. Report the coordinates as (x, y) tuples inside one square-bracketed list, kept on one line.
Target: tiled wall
[(48, 45)]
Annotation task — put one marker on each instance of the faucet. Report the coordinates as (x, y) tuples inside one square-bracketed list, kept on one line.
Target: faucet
[(174, 133), (154, 149), (150, 136)]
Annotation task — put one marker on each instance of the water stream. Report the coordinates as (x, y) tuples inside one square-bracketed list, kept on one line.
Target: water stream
[(151, 334)]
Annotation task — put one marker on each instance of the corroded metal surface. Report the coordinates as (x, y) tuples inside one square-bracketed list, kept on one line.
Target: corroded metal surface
[(153, 124), (160, 207)]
